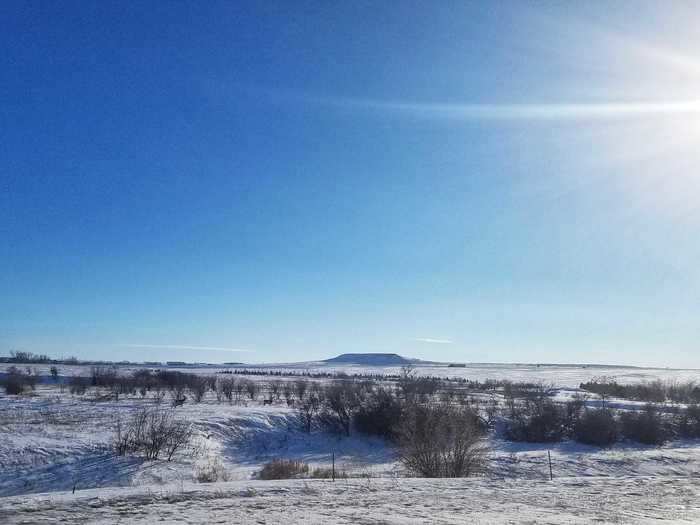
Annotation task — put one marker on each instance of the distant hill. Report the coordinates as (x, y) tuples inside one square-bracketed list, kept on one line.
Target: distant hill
[(371, 360)]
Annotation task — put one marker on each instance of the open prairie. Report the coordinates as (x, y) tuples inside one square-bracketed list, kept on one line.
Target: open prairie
[(57, 447)]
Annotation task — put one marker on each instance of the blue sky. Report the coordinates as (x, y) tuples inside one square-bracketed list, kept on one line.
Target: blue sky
[(283, 181)]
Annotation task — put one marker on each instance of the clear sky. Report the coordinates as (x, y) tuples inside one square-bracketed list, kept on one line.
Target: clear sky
[(284, 181)]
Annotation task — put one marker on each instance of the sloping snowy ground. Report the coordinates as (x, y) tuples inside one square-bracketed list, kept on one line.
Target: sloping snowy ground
[(398, 501), (54, 442)]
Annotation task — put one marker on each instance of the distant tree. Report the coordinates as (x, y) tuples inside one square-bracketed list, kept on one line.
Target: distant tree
[(288, 392), (251, 388), (275, 389), (198, 388), (300, 388), (307, 409)]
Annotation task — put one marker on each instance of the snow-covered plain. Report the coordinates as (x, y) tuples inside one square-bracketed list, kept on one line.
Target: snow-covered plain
[(52, 442), (559, 375), (373, 501)]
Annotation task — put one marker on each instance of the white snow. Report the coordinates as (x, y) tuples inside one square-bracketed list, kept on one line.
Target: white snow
[(373, 501), (52, 442), (559, 375)]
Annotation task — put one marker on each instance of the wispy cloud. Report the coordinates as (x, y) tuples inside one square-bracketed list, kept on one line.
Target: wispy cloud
[(448, 111), (433, 341), (612, 109), (185, 347)]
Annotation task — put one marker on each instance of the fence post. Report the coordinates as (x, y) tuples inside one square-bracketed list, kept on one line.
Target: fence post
[(549, 456), (333, 467)]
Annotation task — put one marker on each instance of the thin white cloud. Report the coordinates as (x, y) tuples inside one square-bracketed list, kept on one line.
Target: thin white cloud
[(613, 109), (186, 347), (520, 111), (433, 341)]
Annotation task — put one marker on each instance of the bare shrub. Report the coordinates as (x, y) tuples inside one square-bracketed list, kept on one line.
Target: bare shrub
[(180, 435), (275, 389), (689, 424), (16, 381), (152, 432), (537, 420), (13, 385), (177, 394), (78, 385), (227, 387), (307, 411), (645, 426), (341, 401), (251, 388), (198, 388), (380, 414), (103, 375), (596, 427), (288, 392), (442, 441), (652, 392), (122, 386), (283, 469), (211, 472), (416, 389), (239, 387), (328, 473), (300, 388)]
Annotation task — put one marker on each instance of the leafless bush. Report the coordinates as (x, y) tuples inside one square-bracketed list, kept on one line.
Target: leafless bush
[(288, 392), (123, 386), (211, 472), (300, 388), (652, 392), (177, 394), (239, 388), (307, 411), (16, 381), (152, 432), (198, 388), (341, 399), (103, 375), (78, 385), (689, 424), (251, 388), (596, 427), (13, 385), (227, 387), (275, 389), (442, 441), (218, 390), (536, 420), (283, 469), (646, 426), (380, 414), (328, 473), (416, 389)]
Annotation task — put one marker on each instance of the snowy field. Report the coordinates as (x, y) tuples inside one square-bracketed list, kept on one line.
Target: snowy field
[(52, 442), (559, 375), (373, 501)]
